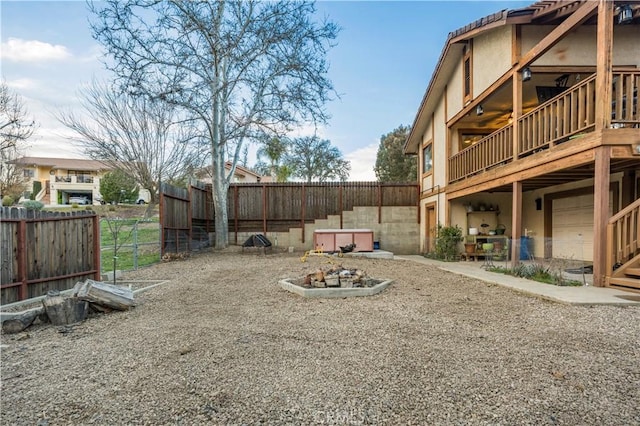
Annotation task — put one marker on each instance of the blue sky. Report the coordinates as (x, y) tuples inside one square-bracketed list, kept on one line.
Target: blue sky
[(381, 66)]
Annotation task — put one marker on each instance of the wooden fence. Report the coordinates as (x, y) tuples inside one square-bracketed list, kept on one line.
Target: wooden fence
[(44, 251), (186, 215)]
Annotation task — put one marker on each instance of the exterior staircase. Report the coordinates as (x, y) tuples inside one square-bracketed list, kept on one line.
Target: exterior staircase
[(44, 196), (627, 276), (623, 249)]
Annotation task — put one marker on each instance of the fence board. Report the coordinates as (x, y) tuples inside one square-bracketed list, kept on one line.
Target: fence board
[(45, 250), (187, 216)]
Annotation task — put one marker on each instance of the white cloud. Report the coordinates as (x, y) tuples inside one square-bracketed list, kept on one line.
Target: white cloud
[(51, 139), (22, 84), (19, 50), (362, 162), (93, 55)]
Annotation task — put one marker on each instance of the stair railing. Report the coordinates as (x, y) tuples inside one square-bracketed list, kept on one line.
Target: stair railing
[(623, 237)]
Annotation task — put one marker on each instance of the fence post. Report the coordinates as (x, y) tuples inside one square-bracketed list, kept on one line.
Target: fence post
[(303, 204), (190, 216), (340, 204), (379, 203), (135, 245), (235, 212), (22, 258), (264, 209), (97, 245)]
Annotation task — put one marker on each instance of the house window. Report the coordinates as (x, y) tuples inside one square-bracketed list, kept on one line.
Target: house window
[(427, 159), (467, 73), (29, 173), (466, 138)]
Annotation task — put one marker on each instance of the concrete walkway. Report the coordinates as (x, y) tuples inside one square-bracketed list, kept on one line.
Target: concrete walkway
[(584, 295)]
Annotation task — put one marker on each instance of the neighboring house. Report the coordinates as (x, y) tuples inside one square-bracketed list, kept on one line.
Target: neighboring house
[(63, 178), (530, 125), (241, 174)]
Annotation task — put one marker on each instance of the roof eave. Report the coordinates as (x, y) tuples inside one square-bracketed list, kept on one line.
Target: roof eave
[(461, 35)]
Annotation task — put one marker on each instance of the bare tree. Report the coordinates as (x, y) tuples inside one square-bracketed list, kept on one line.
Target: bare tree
[(143, 138), (314, 159), (15, 128), (12, 179), (15, 125), (240, 68)]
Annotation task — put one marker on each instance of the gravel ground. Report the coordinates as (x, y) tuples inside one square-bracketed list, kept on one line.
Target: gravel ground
[(221, 343)]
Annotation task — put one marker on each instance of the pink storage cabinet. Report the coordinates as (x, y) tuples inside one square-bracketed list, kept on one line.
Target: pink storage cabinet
[(333, 239)]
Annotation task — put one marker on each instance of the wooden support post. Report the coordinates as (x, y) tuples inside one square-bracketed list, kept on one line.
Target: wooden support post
[(601, 214), (517, 113), (604, 48), (603, 153), (516, 215)]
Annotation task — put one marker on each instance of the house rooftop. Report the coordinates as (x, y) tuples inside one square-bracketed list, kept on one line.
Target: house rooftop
[(546, 12), (63, 163)]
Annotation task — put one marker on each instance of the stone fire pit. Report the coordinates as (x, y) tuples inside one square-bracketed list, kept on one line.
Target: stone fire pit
[(336, 282)]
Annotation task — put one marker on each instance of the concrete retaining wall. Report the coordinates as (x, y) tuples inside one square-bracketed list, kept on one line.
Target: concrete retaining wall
[(398, 232)]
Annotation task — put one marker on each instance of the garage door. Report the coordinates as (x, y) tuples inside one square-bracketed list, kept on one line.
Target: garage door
[(573, 227)]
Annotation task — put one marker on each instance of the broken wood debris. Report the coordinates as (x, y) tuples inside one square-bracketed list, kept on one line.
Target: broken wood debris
[(105, 295), (336, 276), (61, 311)]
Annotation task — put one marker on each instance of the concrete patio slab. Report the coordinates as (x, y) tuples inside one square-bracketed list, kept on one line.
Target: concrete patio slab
[(583, 295)]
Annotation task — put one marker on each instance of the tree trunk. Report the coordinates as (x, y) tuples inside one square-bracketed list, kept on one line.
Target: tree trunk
[(63, 311), (20, 321), (222, 219), (220, 188), (108, 295)]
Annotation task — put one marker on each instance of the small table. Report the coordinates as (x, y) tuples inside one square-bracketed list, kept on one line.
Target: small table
[(488, 260)]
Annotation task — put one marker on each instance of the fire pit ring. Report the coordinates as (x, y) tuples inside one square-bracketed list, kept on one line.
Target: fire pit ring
[(333, 292)]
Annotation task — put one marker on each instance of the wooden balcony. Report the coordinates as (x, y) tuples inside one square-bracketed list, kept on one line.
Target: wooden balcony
[(557, 121)]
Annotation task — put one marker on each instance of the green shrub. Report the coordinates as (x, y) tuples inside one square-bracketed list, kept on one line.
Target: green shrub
[(447, 240), (7, 201), (89, 208), (33, 205), (74, 205)]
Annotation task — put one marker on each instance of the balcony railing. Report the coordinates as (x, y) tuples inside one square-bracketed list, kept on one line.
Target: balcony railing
[(491, 151), (74, 179), (625, 94), (556, 121), (623, 241)]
